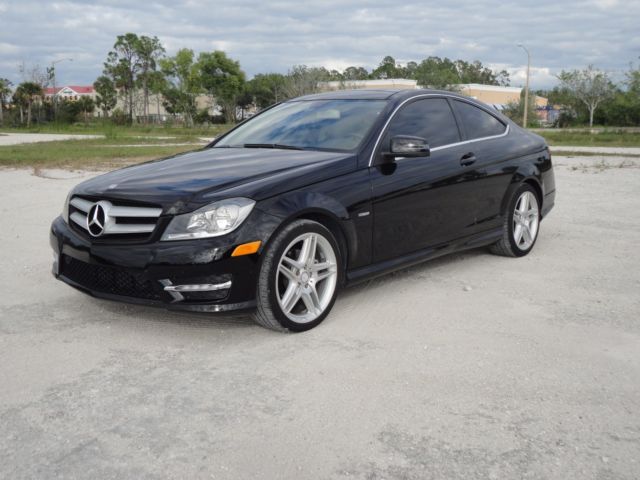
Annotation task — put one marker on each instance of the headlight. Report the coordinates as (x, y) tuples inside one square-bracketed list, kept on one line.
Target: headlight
[(218, 218), (65, 209)]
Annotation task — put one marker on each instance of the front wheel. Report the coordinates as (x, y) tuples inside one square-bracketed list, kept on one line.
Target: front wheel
[(299, 277), (521, 225)]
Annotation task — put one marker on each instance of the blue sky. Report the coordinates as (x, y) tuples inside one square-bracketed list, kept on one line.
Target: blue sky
[(272, 36)]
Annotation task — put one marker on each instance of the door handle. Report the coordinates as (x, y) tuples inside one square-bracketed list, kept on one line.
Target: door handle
[(468, 159)]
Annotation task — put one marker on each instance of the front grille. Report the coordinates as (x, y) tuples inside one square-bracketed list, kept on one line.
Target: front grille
[(102, 219), (109, 280)]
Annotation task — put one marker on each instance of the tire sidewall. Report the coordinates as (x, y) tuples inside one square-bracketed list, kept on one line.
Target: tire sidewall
[(517, 251), (275, 250)]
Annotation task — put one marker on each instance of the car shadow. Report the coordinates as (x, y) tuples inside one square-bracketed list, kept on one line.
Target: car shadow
[(419, 270), (186, 319), (131, 312)]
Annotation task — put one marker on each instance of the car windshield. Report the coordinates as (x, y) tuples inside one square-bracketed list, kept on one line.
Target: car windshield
[(308, 124)]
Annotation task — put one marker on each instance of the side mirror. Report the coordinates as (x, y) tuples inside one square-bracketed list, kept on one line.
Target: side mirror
[(407, 146)]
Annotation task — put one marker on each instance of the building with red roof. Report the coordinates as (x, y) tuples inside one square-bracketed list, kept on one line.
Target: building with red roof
[(70, 92)]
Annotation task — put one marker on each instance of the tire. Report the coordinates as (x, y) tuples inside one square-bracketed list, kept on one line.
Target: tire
[(521, 224), (286, 274)]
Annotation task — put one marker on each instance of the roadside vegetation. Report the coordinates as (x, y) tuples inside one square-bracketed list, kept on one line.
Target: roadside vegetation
[(591, 138)]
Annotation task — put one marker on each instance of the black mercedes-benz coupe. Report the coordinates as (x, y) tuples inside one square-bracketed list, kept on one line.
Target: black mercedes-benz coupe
[(310, 195)]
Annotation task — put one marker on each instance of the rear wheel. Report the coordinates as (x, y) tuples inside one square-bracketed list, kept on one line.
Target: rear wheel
[(522, 224), (299, 277)]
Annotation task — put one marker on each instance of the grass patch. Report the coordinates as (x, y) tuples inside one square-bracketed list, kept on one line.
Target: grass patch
[(121, 145), (96, 153), (604, 138), (119, 131)]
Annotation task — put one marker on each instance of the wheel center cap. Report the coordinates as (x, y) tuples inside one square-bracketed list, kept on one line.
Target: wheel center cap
[(304, 277)]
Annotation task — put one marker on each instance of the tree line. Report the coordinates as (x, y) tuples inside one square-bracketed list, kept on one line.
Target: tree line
[(140, 64), (137, 71)]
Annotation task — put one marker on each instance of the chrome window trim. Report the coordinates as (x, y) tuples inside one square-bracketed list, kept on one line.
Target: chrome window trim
[(441, 147)]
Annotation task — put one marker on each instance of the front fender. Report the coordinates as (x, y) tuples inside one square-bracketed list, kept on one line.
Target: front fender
[(317, 206)]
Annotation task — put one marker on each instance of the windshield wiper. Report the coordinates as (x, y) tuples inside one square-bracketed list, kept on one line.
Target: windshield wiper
[(271, 145)]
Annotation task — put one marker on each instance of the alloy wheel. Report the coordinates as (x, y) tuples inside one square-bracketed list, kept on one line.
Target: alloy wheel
[(307, 277), (526, 219)]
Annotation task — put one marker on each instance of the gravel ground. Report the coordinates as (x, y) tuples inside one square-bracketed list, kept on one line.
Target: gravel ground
[(20, 138), (470, 366), (603, 150)]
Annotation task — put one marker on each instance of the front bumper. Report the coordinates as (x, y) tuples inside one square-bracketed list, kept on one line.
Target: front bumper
[(139, 273)]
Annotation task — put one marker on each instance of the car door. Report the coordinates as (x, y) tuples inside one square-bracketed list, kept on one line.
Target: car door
[(420, 202), (484, 134)]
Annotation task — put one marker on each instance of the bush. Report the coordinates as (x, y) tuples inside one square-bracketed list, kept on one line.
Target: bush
[(118, 117)]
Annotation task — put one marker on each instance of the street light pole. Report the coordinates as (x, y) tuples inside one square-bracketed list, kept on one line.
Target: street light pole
[(526, 91), (53, 78)]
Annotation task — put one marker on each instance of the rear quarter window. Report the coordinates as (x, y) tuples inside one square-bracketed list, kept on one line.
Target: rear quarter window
[(476, 122)]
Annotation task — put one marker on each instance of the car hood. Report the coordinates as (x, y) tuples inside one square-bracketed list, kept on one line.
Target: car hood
[(185, 182)]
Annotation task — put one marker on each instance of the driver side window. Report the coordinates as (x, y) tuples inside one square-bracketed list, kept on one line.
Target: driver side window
[(431, 119)]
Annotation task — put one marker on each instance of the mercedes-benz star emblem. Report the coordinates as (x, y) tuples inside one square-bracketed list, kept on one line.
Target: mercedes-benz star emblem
[(96, 220)]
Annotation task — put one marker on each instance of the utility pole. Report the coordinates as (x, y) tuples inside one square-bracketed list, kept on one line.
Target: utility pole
[(526, 89), (53, 79)]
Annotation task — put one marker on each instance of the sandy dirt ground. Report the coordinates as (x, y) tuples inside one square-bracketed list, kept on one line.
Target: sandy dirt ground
[(468, 367)]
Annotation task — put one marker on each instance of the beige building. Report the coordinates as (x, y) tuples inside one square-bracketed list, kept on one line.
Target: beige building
[(497, 95), (386, 84), (490, 94)]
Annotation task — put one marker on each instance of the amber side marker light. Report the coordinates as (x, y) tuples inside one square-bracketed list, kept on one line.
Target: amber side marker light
[(246, 248)]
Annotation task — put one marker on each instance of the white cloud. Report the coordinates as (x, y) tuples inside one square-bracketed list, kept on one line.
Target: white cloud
[(273, 36)]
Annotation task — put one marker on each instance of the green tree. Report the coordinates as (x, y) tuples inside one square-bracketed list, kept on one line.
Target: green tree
[(387, 69), (303, 80), (5, 91), (222, 78), (355, 73), (266, 88), (515, 110), (623, 107), (182, 84), (123, 66), (106, 95), (26, 94), (436, 72), (86, 106), (409, 71), (589, 86), (149, 51), (446, 74)]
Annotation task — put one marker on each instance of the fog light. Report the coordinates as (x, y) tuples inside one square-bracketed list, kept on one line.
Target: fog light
[(177, 291), (204, 287)]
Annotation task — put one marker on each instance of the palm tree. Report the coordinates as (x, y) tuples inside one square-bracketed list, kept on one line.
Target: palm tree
[(5, 91), (25, 95)]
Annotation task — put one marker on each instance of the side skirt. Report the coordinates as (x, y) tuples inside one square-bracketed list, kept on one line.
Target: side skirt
[(381, 268)]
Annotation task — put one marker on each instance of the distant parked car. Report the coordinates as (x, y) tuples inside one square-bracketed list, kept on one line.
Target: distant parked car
[(310, 195)]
